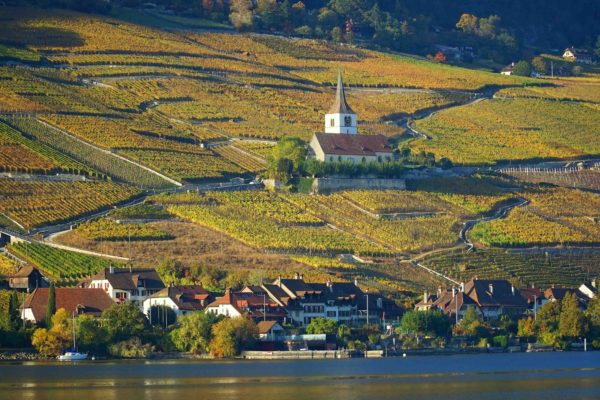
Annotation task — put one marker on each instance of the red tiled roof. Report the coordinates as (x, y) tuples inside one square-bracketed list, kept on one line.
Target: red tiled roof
[(355, 145), (84, 301)]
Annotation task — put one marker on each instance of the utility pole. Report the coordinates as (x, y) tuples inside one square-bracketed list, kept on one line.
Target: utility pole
[(264, 307), (535, 307), (367, 291)]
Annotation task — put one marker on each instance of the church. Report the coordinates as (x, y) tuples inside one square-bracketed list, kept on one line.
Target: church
[(341, 141)]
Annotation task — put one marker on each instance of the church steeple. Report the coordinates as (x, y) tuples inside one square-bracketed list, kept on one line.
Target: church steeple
[(340, 118), (340, 106)]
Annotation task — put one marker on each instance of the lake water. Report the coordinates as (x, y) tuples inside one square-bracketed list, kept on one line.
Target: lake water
[(528, 376)]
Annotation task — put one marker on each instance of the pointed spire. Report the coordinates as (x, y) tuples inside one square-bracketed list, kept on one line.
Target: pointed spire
[(340, 106)]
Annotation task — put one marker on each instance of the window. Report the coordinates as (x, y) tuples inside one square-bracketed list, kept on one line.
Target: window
[(331, 158), (332, 122), (339, 158), (364, 160), (347, 120), (379, 159), (330, 314)]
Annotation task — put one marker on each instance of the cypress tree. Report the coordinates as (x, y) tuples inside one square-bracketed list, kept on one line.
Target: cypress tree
[(51, 306), (13, 311)]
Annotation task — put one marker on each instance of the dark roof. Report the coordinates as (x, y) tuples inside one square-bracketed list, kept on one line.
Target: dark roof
[(190, 298), (81, 301), (355, 145), (125, 279), (298, 286), (509, 67), (447, 302), (560, 293), (340, 106), (531, 294), (496, 292)]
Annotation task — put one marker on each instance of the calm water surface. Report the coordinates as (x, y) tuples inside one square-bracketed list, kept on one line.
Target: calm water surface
[(545, 376)]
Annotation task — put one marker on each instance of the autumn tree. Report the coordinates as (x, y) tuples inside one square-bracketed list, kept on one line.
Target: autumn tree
[(439, 57), (526, 328), (241, 15), (468, 23), (571, 322), (231, 336), (51, 342)]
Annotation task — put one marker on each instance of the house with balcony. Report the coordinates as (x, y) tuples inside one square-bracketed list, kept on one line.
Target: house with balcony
[(127, 284)]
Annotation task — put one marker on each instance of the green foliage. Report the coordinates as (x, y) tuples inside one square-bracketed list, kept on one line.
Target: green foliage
[(286, 157), (140, 211), (193, 332), (571, 323), (50, 306), (63, 265), (130, 348), (431, 323), (123, 321), (91, 335), (522, 68), (500, 341), (471, 324), (319, 326)]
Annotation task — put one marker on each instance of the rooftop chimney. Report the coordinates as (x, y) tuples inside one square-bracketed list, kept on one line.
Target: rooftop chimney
[(491, 287), (111, 269), (296, 276), (512, 288), (453, 291), (425, 297), (355, 281), (462, 287)]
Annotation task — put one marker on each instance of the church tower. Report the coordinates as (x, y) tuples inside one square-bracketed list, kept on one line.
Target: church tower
[(340, 119)]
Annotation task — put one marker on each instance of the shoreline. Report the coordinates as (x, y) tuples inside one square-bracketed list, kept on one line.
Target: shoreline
[(23, 356)]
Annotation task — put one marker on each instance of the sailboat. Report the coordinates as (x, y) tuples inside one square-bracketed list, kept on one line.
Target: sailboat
[(73, 354)]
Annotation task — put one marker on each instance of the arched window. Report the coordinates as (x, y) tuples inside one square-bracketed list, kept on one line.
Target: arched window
[(347, 120), (331, 158), (379, 158), (364, 160), (340, 158)]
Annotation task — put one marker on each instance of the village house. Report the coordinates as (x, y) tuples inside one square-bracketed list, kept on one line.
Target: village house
[(508, 70), (578, 55), (28, 278), (342, 302), (489, 298), (258, 306), (180, 299), (269, 330), (73, 300), (125, 284), (558, 294), (341, 141)]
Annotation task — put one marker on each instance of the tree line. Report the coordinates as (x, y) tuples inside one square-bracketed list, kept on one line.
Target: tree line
[(501, 31)]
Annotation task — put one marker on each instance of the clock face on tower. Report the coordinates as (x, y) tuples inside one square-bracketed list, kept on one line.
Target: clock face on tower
[(347, 120)]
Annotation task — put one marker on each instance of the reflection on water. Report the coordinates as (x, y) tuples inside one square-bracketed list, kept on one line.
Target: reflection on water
[(547, 376)]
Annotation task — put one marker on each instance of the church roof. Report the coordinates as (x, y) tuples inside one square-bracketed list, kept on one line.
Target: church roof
[(356, 145), (340, 106)]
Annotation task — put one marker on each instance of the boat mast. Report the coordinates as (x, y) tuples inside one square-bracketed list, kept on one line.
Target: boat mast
[(74, 344)]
